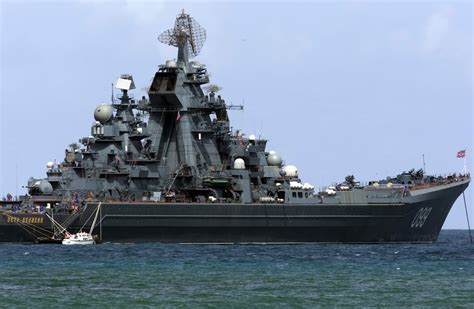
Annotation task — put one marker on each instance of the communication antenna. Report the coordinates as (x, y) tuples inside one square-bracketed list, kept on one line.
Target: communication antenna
[(187, 34), (125, 82), (16, 181), (424, 165), (112, 96)]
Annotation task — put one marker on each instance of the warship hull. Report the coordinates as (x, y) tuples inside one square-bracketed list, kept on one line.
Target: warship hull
[(211, 184), (419, 218)]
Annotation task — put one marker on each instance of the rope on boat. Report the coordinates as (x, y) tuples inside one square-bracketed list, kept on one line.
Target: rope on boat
[(92, 214), (69, 219), (28, 231), (35, 230), (26, 224), (467, 217)]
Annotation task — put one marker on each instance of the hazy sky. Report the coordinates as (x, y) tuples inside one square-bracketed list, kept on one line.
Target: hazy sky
[(363, 88)]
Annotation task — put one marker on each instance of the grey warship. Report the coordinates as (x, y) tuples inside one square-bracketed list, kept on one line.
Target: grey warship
[(169, 168)]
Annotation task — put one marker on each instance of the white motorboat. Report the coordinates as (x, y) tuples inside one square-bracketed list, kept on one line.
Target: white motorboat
[(81, 238)]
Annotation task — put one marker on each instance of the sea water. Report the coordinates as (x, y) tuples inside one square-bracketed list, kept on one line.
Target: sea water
[(440, 274)]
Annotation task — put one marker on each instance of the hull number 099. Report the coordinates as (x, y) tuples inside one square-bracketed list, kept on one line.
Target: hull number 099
[(420, 217)]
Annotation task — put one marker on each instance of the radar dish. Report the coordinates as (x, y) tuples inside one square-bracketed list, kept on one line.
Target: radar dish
[(212, 88), (186, 32), (125, 82)]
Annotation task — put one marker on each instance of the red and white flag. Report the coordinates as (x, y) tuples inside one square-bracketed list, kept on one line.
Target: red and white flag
[(461, 153), (178, 117)]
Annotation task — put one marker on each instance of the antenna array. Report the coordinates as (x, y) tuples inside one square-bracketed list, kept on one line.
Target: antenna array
[(187, 32)]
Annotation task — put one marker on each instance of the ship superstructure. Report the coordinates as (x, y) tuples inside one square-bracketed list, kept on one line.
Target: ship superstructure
[(185, 148)]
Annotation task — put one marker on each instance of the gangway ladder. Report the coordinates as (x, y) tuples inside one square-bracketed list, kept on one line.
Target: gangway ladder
[(174, 179)]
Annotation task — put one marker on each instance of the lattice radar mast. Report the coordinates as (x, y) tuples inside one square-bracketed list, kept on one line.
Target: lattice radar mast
[(187, 35)]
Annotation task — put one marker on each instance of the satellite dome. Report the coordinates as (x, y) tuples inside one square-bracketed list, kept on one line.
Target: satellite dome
[(103, 112), (252, 137), (196, 65), (239, 164), (50, 165), (274, 159), (171, 64), (291, 171)]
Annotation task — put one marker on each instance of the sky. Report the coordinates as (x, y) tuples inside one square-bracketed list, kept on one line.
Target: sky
[(359, 87)]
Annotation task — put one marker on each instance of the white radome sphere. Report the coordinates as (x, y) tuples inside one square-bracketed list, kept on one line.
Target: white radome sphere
[(239, 164), (50, 165), (103, 112), (252, 137), (290, 170), (171, 64), (274, 159)]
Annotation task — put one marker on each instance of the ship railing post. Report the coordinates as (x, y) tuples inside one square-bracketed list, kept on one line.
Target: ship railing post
[(100, 224), (465, 165)]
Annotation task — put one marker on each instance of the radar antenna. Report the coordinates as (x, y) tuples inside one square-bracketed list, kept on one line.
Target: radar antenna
[(187, 35), (212, 88)]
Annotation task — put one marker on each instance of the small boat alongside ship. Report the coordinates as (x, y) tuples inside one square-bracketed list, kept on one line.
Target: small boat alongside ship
[(81, 238), (61, 235)]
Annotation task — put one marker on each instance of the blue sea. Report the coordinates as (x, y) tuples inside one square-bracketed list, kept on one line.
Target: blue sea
[(440, 274)]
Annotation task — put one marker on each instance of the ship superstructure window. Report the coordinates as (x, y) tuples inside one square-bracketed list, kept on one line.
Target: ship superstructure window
[(300, 194)]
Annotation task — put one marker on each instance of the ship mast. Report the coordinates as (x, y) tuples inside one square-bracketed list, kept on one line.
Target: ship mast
[(187, 35), (183, 132)]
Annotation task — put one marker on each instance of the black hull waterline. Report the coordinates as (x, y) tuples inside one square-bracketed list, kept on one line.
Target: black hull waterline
[(418, 220)]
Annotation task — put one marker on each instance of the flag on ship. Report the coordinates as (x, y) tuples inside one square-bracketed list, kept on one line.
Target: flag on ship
[(461, 153)]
